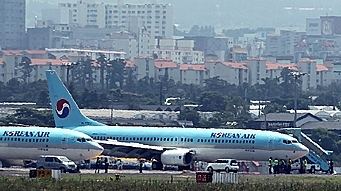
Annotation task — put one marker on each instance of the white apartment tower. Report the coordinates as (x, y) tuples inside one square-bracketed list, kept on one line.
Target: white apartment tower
[(12, 24), (84, 13), (157, 18)]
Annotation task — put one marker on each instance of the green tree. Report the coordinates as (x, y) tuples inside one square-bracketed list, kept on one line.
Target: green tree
[(190, 115), (25, 68), (29, 116), (327, 139), (116, 73), (274, 108), (212, 101), (103, 64)]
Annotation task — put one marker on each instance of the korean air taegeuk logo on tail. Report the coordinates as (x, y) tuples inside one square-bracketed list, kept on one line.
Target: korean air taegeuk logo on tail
[(63, 108)]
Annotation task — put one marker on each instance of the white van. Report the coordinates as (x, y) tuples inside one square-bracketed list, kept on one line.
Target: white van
[(56, 162)]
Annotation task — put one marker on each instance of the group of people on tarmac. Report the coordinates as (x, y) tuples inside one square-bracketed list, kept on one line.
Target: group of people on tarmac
[(277, 166), (98, 163), (284, 166)]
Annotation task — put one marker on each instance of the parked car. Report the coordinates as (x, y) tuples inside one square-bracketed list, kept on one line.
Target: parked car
[(56, 162), (227, 165)]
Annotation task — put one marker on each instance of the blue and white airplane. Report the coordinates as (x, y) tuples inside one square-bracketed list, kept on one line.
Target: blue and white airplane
[(171, 146), (28, 143)]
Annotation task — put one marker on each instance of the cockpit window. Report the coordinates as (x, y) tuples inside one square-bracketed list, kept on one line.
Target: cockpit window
[(290, 141), (287, 142), (82, 140)]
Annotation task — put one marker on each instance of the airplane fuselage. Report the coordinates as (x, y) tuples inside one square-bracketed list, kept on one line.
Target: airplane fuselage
[(28, 143), (209, 144)]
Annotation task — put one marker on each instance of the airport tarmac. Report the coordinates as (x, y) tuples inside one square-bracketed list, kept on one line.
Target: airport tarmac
[(25, 171), (16, 171)]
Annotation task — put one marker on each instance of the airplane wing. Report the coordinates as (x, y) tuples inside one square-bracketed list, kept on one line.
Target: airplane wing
[(131, 149)]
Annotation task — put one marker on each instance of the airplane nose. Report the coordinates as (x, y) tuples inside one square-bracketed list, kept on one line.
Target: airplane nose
[(303, 150), (96, 149)]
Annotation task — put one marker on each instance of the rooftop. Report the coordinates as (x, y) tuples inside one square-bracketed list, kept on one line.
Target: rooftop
[(197, 67), (164, 63)]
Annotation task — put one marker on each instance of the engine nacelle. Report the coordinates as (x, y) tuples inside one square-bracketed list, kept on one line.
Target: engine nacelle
[(181, 157)]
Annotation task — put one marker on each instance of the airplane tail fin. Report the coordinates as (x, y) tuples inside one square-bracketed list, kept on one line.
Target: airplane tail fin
[(65, 110)]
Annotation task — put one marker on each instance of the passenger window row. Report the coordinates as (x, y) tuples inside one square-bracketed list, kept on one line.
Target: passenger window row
[(24, 140), (136, 138), (174, 139), (226, 141)]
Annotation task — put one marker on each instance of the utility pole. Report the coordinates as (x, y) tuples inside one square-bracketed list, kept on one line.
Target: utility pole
[(161, 88), (296, 75), (68, 65)]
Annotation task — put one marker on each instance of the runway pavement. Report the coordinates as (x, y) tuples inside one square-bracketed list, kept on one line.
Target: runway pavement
[(16, 171), (25, 171)]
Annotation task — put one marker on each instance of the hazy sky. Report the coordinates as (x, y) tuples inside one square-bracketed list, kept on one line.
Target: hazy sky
[(225, 14)]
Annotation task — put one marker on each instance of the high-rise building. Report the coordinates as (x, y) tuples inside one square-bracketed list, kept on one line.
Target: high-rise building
[(12, 24), (156, 18)]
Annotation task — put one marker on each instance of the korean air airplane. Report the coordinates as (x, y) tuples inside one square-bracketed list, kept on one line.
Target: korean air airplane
[(27, 143), (171, 146)]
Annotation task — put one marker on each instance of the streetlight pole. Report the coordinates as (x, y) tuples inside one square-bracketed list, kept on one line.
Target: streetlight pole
[(296, 75), (68, 66)]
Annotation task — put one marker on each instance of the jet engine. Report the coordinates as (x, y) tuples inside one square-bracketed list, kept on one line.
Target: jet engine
[(181, 157)]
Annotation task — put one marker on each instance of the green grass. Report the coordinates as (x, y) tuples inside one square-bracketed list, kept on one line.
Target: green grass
[(150, 182), (291, 178), (23, 183), (127, 177)]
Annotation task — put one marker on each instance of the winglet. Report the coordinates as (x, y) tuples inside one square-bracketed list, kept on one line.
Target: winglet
[(65, 110)]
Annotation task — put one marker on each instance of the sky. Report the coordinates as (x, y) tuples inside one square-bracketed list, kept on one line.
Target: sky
[(230, 14)]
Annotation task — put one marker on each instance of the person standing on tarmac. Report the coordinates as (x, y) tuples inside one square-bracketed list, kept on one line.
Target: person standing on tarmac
[(141, 166), (283, 166), (331, 166), (276, 166), (98, 162), (106, 165), (270, 165), (305, 163), (289, 166)]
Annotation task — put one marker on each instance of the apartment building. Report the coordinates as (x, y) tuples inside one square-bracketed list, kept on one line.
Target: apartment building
[(181, 56), (145, 67), (232, 72), (323, 75), (166, 68), (12, 24), (257, 70), (309, 67), (273, 45), (273, 70), (193, 74), (284, 43), (157, 18)]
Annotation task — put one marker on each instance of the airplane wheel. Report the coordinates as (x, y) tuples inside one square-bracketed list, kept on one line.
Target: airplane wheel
[(157, 166)]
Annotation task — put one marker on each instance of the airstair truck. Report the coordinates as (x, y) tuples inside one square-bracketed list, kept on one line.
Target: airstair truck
[(317, 156)]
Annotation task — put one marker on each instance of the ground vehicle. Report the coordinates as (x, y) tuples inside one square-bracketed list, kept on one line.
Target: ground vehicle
[(228, 165), (310, 168), (56, 162)]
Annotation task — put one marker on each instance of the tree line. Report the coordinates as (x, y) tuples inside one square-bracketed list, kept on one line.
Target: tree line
[(117, 83)]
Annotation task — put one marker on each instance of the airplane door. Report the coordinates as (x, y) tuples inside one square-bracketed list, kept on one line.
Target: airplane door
[(64, 142), (271, 144)]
